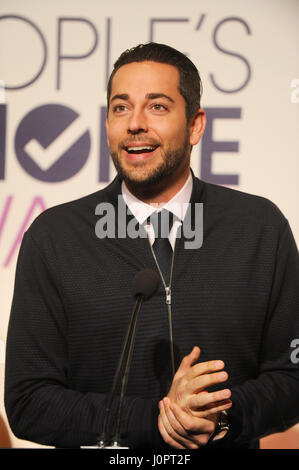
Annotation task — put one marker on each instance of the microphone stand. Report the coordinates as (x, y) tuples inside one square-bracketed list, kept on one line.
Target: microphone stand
[(125, 361), (145, 284), (117, 437)]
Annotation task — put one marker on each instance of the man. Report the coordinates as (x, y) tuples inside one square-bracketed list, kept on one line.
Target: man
[(233, 301)]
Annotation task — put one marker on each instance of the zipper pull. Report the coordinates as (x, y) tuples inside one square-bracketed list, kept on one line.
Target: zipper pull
[(168, 295)]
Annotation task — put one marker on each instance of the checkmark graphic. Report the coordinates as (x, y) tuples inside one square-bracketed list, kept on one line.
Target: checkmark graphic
[(45, 158)]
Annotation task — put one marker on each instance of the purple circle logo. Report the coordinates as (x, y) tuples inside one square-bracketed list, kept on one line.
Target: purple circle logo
[(52, 143)]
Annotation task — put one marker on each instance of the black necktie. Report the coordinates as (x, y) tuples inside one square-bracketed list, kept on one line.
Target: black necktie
[(162, 222)]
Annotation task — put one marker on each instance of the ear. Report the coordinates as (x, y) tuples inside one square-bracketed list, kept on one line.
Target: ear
[(197, 126)]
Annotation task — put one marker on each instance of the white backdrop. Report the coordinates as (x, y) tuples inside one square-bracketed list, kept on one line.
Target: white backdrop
[(55, 58)]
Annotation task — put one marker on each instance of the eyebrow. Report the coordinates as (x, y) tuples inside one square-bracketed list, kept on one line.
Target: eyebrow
[(154, 96), (149, 96)]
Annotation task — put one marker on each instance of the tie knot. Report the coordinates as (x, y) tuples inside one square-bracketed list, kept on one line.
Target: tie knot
[(162, 223)]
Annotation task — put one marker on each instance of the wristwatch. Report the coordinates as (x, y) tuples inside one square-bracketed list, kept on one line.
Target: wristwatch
[(222, 425)]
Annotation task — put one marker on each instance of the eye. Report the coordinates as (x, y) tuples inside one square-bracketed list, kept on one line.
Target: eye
[(119, 108), (159, 107)]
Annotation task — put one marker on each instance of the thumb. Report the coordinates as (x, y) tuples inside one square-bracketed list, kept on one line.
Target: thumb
[(194, 355), (188, 360)]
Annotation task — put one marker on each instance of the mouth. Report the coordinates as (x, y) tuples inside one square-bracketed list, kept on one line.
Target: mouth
[(141, 149), (140, 152)]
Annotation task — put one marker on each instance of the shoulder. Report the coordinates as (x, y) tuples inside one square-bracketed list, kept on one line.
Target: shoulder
[(235, 204), (73, 216)]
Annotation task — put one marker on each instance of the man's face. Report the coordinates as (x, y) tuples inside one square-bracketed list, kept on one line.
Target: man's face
[(147, 130)]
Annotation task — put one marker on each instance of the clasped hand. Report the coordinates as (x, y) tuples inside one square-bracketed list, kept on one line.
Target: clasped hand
[(189, 414)]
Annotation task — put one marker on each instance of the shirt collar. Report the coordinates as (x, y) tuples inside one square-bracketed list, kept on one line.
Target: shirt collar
[(177, 205)]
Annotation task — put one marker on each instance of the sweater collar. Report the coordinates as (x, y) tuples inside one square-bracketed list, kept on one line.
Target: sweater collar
[(114, 190), (177, 205)]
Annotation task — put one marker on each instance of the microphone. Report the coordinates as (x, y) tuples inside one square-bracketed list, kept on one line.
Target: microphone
[(145, 284)]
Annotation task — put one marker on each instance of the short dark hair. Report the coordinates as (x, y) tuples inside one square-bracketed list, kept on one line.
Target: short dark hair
[(190, 85)]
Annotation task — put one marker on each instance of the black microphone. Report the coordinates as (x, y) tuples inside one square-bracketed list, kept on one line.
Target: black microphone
[(145, 284)]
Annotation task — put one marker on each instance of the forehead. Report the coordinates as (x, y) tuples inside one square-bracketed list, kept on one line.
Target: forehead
[(141, 78)]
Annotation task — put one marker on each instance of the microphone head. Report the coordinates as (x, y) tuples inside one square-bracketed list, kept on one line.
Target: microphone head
[(145, 283)]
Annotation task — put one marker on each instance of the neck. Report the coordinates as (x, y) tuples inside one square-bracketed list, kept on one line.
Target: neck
[(162, 191)]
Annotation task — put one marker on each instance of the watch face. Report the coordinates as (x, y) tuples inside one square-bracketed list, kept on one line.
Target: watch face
[(223, 423)]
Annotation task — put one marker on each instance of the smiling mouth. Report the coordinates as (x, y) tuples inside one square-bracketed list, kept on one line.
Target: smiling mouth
[(141, 149)]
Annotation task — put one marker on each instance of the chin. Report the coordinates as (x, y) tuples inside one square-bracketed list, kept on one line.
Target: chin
[(142, 176), (149, 174), (142, 180)]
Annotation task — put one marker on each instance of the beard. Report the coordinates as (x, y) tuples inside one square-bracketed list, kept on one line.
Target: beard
[(172, 160)]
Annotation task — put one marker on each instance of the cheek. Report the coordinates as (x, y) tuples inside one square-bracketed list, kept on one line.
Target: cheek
[(175, 137), (114, 134), (167, 130)]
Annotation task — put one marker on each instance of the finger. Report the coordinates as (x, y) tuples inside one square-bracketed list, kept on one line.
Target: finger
[(200, 383), (215, 409), (200, 429), (177, 427), (204, 398), (191, 424), (166, 430), (186, 439), (206, 368), (166, 436), (188, 360), (171, 433)]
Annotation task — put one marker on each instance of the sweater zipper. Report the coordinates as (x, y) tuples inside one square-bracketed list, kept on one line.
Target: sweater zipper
[(167, 299), (167, 288)]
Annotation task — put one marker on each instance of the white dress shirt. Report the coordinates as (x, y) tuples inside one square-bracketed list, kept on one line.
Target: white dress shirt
[(177, 206)]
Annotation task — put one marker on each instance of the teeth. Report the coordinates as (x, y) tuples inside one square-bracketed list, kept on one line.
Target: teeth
[(132, 149)]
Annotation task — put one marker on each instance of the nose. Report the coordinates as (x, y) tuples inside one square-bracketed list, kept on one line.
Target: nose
[(137, 122)]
